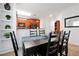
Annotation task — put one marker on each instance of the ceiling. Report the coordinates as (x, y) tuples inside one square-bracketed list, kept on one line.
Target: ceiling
[(43, 10)]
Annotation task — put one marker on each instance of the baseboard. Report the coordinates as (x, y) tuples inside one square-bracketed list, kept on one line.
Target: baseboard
[(72, 42), (6, 51)]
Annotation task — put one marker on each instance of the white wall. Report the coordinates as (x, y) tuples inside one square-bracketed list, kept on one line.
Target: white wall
[(21, 33), (46, 24), (72, 11)]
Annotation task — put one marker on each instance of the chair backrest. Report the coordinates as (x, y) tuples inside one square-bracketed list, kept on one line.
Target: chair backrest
[(15, 39), (52, 48), (41, 32), (33, 32), (14, 45), (60, 37), (65, 39)]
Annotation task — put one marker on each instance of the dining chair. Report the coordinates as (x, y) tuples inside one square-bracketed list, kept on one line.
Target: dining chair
[(18, 52), (41, 32), (14, 45), (64, 44), (50, 48), (15, 39), (53, 47), (33, 32)]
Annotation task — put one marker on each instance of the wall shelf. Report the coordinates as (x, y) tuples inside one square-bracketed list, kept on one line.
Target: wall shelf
[(6, 20), (6, 39), (8, 17), (6, 10)]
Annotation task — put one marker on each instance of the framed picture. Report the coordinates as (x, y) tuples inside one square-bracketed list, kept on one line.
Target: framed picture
[(71, 21)]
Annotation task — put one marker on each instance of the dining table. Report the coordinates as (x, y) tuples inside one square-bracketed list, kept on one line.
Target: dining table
[(33, 45)]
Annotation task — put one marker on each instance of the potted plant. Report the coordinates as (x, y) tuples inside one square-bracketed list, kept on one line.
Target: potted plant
[(32, 25), (7, 35), (7, 27), (7, 6), (8, 17)]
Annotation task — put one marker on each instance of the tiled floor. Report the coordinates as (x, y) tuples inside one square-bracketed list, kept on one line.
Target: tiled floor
[(73, 51)]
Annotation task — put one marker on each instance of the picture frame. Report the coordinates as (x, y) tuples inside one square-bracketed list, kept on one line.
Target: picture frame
[(71, 20)]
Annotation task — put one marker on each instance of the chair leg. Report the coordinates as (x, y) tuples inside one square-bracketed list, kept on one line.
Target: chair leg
[(60, 53), (66, 52)]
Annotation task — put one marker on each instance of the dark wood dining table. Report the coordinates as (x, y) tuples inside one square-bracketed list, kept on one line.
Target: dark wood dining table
[(34, 46)]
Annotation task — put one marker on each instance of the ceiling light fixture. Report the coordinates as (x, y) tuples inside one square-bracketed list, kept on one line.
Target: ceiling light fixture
[(19, 12)]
